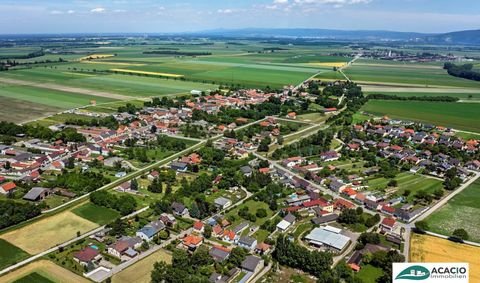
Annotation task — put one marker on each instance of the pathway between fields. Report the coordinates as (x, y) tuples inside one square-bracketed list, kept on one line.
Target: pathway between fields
[(66, 89)]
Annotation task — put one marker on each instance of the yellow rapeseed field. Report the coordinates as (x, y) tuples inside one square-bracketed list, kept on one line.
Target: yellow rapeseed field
[(147, 73), (328, 64), (425, 248)]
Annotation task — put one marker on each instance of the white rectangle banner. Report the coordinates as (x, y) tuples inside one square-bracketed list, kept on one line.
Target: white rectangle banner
[(439, 272)]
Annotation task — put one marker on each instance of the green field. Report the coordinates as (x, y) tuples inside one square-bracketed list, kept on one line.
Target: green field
[(33, 277), (10, 254), (408, 181), (386, 72), (462, 211), (252, 208), (98, 214), (460, 95), (463, 116)]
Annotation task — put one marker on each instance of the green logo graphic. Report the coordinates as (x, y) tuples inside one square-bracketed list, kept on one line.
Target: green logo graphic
[(415, 272)]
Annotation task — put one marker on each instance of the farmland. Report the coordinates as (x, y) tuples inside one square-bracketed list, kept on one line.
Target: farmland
[(44, 270), (462, 211), (425, 248), (10, 254), (413, 74), (140, 271), (98, 214), (463, 116), (48, 232)]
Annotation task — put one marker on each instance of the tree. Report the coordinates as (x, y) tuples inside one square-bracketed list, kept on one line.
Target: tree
[(348, 216), (208, 231), (261, 213), (118, 227), (461, 233), (134, 185), (422, 225)]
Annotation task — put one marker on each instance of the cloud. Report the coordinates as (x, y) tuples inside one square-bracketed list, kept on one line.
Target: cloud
[(70, 12), (280, 1), (225, 11), (56, 12), (119, 11), (97, 10)]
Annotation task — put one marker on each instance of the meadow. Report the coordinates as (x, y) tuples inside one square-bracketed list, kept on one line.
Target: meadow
[(47, 232), (141, 270), (10, 254), (98, 214), (425, 248), (408, 181), (462, 211), (42, 270), (463, 116)]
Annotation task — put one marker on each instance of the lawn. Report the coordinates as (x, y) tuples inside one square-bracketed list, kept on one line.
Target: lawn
[(48, 232), (425, 248), (46, 269), (10, 254), (463, 116), (252, 208), (462, 211), (34, 277), (140, 271), (369, 273), (312, 117), (98, 214)]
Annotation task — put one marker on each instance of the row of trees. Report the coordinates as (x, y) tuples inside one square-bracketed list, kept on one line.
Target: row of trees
[(462, 71), (40, 132), (13, 212), (417, 98), (108, 122), (124, 204), (79, 183)]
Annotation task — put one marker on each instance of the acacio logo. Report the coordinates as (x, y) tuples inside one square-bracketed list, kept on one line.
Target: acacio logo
[(415, 272)]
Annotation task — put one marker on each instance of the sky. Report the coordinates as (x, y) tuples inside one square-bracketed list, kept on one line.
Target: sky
[(162, 16)]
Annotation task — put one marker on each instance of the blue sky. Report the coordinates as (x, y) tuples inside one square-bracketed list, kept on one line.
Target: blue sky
[(55, 16)]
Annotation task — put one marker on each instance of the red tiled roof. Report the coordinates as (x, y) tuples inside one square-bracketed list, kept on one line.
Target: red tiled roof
[(8, 186), (316, 202), (198, 225), (388, 208), (390, 222), (86, 255), (192, 240)]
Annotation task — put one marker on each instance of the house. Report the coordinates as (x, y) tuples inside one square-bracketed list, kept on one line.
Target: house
[(150, 230), (222, 203), (87, 256), (168, 219), (247, 242), (7, 188), (262, 248), (387, 209), (219, 253), (229, 236), (325, 219), (153, 175), (286, 222), (252, 264), (246, 170), (343, 204), (292, 115), (198, 226), (37, 193), (217, 231), (126, 186), (192, 242), (219, 278), (179, 166), (329, 156), (388, 224), (125, 248), (179, 209)]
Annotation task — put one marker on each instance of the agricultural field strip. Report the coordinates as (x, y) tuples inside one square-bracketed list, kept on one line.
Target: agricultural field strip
[(264, 66), (380, 88), (42, 254), (67, 89)]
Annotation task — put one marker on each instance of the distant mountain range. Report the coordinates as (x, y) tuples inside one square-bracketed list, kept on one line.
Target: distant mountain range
[(469, 37)]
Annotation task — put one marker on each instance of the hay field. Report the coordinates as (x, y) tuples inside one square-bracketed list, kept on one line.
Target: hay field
[(46, 269), (328, 64), (140, 271), (48, 232), (425, 248), (96, 56)]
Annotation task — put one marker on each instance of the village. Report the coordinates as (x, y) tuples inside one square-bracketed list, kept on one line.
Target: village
[(235, 186)]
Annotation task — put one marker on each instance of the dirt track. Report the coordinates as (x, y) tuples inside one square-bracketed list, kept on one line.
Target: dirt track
[(66, 89)]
